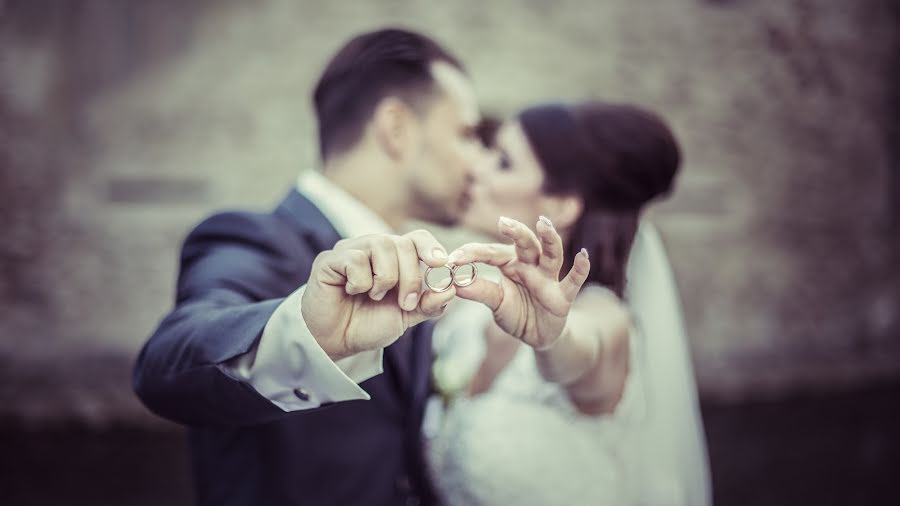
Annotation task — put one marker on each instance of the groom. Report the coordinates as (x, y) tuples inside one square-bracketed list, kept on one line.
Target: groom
[(264, 356)]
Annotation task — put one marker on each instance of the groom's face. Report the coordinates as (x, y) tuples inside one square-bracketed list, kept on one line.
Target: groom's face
[(441, 175)]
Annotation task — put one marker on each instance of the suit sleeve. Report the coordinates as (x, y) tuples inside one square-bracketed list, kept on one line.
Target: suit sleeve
[(235, 274), (290, 368)]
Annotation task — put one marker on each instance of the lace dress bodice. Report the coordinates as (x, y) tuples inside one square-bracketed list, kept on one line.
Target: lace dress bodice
[(524, 443)]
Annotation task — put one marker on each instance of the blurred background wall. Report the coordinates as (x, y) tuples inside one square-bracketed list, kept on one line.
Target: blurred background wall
[(124, 122)]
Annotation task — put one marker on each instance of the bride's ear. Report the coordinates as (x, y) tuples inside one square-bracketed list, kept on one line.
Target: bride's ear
[(565, 210)]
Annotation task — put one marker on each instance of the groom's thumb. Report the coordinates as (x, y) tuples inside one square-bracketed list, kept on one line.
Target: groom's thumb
[(431, 305)]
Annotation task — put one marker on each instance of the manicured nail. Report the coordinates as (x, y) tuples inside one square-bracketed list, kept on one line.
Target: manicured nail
[(455, 256), (545, 221), (585, 252), (439, 254), (506, 222), (409, 303)]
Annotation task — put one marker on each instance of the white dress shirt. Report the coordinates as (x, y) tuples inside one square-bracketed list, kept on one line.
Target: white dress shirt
[(287, 365)]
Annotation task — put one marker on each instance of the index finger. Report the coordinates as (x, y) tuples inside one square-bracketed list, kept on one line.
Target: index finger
[(497, 255), (428, 248)]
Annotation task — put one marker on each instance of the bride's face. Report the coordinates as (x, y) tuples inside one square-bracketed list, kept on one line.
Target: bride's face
[(508, 184)]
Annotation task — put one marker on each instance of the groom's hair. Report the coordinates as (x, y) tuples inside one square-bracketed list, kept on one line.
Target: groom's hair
[(370, 67)]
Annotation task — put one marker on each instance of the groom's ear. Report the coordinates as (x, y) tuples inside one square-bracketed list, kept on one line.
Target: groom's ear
[(392, 125), (565, 210)]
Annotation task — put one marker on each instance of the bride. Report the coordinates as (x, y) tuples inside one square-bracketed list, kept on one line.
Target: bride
[(566, 394)]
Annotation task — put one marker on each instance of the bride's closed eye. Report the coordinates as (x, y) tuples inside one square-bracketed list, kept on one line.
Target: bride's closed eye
[(504, 163)]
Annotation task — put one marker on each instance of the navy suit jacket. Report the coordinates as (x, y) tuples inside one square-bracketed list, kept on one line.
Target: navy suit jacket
[(236, 268)]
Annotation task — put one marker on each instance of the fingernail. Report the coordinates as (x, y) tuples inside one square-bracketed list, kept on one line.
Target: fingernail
[(439, 254), (455, 256), (585, 252), (506, 222), (378, 296), (409, 303), (545, 221)]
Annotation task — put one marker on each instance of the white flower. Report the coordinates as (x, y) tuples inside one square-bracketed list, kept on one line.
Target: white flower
[(450, 379)]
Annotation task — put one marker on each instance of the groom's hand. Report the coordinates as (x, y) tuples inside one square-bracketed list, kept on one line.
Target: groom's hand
[(363, 294), (530, 302)]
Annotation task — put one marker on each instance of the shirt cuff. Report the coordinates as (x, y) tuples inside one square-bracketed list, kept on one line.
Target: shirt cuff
[(289, 368), (362, 366)]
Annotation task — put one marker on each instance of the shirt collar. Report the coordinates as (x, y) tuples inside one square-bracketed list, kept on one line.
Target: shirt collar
[(348, 215)]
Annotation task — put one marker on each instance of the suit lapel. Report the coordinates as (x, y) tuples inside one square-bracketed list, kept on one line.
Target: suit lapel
[(308, 221)]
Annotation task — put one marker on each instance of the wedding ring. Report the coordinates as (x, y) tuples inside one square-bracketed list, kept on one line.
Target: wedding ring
[(466, 282), (440, 288), (454, 277)]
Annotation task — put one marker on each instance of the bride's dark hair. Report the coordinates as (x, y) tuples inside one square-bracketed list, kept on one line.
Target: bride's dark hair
[(617, 158)]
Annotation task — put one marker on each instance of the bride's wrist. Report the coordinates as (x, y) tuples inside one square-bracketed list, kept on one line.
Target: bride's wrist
[(563, 361), (553, 344)]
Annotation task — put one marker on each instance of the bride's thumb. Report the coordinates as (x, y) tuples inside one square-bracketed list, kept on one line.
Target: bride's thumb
[(487, 292)]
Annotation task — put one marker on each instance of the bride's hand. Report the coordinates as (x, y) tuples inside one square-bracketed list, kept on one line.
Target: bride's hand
[(530, 302)]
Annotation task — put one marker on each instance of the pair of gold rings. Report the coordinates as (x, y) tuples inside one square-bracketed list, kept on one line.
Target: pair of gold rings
[(460, 275)]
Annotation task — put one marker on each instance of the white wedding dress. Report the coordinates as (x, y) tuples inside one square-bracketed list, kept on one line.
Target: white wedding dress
[(523, 443)]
